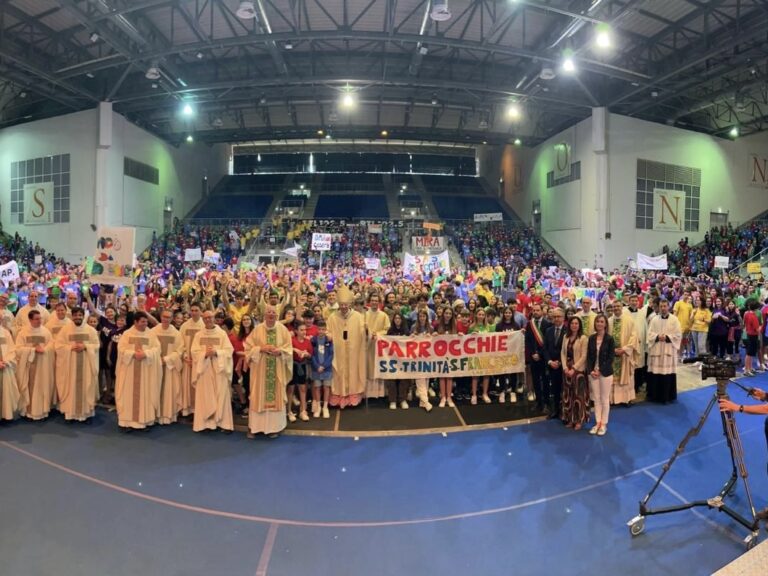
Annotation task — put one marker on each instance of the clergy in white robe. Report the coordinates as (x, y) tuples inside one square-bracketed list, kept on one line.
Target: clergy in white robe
[(621, 326), (376, 324), (12, 402), (137, 383), (77, 367), (22, 316), (640, 317), (58, 320), (347, 329), (171, 351), (269, 352), (6, 316), (188, 331), (212, 363), (663, 338), (36, 357)]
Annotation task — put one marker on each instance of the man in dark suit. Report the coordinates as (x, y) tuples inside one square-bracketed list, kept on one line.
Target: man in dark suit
[(553, 344), (535, 355)]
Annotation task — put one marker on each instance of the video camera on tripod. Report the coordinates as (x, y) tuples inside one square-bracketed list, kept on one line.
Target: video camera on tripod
[(714, 367)]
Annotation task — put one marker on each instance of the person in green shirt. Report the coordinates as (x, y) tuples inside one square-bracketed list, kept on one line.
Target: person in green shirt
[(480, 325)]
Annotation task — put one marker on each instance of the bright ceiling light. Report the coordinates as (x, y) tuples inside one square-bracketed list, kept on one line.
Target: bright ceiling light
[(384, 133), (187, 110), (734, 133), (152, 73), (603, 39), (568, 64), (513, 111), (348, 100), (518, 142), (190, 138), (246, 11)]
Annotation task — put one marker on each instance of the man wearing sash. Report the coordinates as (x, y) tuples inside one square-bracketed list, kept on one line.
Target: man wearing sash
[(212, 365), (171, 351), (534, 354), (137, 385), (22, 317), (376, 324), (269, 352), (347, 329), (77, 367), (188, 331), (34, 347), (12, 401), (621, 326)]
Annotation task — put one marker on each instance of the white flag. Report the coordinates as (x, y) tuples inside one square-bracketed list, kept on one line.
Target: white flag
[(651, 262), (293, 252)]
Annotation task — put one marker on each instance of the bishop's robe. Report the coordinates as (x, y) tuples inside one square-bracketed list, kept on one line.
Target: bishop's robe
[(188, 330), (77, 373), (171, 351), (377, 323), (349, 358), (269, 376), (12, 401), (35, 370), (625, 338), (212, 380), (137, 383)]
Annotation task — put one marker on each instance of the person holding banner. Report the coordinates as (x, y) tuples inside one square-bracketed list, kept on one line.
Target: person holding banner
[(77, 367), (12, 402), (34, 347), (508, 324), (347, 330), (446, 324), (397, 390), (137, 385), (480, 326)]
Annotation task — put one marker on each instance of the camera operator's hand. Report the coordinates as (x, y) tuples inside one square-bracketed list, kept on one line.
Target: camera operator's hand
[(758, 394), (727, 406)]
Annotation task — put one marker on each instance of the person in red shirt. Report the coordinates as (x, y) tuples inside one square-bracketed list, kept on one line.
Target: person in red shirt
[(309, 321), (238, 351), (752, 329), (302, 358)]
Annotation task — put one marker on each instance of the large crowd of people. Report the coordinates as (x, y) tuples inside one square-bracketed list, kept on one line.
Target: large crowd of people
[(276, 343)]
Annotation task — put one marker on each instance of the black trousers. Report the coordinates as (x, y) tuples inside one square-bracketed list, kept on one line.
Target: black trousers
[(554, 389), (540, 387)]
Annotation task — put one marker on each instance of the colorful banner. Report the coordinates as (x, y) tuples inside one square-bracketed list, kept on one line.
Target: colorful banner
[(113, 262), (38, 203), (372, 263), (321, 242), (449, 355), (375, 228), (428, 242), (432, 226), (425, 264), (489, 217)]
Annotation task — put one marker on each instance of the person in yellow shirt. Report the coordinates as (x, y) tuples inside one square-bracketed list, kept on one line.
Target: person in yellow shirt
[(683, 310), (701, 316)]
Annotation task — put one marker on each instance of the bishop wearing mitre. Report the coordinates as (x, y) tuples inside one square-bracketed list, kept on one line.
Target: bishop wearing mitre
[(347, 330)]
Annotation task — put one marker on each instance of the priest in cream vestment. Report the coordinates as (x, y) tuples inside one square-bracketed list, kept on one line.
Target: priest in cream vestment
[(188, 330), (171, 351), (12, 402), (621, 325), (347, 330), (137, 384), (212, 364), (376, 324), (36, 357), (77, 367)]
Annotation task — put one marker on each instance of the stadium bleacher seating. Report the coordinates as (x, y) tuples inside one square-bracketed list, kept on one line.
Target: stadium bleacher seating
[(349, 206), (463, 207), (234, 206)]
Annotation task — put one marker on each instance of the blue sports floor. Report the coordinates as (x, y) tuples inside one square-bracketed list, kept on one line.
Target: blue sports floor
[(86, 500)]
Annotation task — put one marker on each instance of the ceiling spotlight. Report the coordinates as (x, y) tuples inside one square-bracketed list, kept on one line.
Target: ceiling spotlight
[(246, 11), (518, 142), (289, 45), (199, 55), (190, 138), (187, 110), (513, 111), (327, 136), (384, 133), (22, 94), (603, 35), (348, 99), (440, 11), (94, 37), (320, 132), (152, 73), (89, 75), (734, 133), (434, 100), (569, 65)]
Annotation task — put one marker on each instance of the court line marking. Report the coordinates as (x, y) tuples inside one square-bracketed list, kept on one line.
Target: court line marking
[(719, 527), (266, 552), (359, 524)]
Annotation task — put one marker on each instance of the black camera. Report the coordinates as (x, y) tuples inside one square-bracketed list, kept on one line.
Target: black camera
[(714, 367)]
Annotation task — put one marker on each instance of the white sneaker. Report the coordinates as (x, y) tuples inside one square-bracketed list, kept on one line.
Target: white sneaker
[(404, 405), (442, 403), (450, 403), (595, 429), (431, 393), (295, 401), (486, 399), (326, 412), (473, 400), (512, 397), (291, 417), (393, 405), (426, 405), (519, 389), (316, 412), (304, 417), (531, 396), (602, 430), (502, 398)]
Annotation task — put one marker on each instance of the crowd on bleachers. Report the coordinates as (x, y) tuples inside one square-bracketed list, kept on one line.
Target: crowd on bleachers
[(483, 244)]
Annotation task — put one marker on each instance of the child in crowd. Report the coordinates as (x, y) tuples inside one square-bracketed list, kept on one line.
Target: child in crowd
[(302, 357), (322, 362)]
